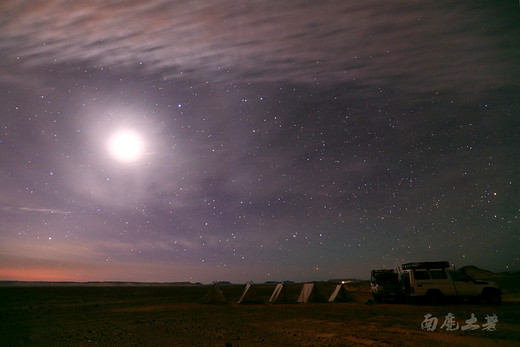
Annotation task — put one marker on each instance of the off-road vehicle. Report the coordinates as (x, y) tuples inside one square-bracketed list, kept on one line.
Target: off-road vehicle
[(437, 281)]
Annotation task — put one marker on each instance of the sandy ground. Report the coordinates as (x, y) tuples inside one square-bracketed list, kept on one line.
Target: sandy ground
[(174, 316)]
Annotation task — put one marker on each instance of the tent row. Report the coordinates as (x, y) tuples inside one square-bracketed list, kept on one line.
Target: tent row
[(310, 292)]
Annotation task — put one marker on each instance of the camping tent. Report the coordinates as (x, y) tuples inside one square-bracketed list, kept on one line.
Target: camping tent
[(340, 294), (250, 295), (311, 292), (280, 295), (214, 295)]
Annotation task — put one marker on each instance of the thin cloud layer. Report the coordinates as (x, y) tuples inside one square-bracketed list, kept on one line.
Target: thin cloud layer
[(414, 46)]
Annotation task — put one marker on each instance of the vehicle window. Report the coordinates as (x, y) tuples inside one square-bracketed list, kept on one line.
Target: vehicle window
[(421, 275), (459, 276), (386, 278), (438, 274)]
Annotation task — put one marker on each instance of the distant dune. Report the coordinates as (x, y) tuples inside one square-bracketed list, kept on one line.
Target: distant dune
[(508, 282), (478, 273)]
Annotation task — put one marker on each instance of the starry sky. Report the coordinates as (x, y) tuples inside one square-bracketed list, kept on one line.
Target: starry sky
[(274, 140)]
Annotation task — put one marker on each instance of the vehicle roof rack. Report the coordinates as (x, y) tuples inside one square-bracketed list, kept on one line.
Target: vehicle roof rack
[(383, 271), (426, 265)]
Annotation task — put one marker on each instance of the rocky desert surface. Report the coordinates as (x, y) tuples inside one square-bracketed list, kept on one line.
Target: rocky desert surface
[(102, 314)]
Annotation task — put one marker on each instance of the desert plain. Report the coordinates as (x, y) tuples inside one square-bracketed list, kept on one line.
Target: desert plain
[(130, 314)]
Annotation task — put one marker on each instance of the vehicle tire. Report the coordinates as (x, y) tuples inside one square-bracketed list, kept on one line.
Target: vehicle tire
[(492, 297), (434, 297)]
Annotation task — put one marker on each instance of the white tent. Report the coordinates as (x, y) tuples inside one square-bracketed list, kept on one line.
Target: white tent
[(311, 293), (340, 294), (250, 295), (214, 295), (280, 295)]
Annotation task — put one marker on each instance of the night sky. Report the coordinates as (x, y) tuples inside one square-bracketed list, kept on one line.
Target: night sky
[(256, 140)]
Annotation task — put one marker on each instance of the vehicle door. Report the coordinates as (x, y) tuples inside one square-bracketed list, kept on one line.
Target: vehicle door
[(442, 282), (421, 281), (464, 285)]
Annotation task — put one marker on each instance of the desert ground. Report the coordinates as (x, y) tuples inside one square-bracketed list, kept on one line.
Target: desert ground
[(173, 315)]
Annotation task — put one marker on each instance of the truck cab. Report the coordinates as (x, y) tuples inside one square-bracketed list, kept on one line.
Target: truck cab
[(385, 284)]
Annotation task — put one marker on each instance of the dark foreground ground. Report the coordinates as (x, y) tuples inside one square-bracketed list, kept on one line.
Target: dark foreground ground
[(174, 316)]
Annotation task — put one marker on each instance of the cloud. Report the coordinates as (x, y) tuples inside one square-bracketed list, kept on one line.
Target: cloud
[(35, 210), (412, 45), (44, 210)]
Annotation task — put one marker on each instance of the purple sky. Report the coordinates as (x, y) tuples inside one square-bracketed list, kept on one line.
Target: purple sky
[(294, 140)]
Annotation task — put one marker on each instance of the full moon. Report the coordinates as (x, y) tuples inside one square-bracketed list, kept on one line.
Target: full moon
[(126, 146)]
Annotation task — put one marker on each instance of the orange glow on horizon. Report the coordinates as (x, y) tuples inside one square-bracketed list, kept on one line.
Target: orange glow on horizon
[(33, 275)]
